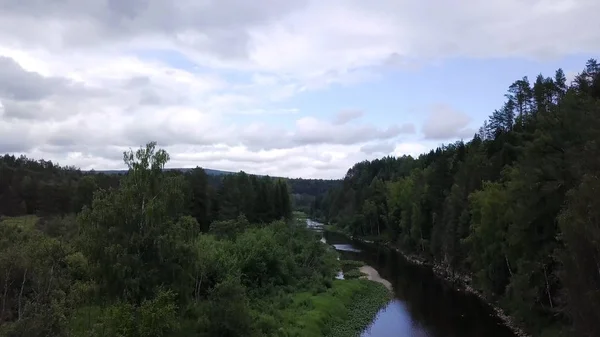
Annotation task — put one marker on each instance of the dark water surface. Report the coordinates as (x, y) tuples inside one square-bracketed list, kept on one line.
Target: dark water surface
[(423, 305)]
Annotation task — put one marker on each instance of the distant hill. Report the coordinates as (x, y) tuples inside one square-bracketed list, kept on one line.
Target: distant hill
[(210, 172)]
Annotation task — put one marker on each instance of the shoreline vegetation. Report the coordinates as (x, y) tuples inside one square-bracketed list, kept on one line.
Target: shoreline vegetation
[(362, 297), (348, 307), (345, 310)]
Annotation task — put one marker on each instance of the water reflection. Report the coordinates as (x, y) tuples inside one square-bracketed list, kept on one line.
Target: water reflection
[(395, 320), (424, 306), (346, 248), (317, 226)]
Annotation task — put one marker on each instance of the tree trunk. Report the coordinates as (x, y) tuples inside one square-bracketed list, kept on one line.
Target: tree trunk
[(5, 294), (548, 287), (199, 288), (20, 311), (508, 265), (50, 281)]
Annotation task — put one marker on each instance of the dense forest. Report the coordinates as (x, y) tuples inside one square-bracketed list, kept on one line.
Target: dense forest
[(162, 253), (41, 187), (303, 191), (517, 207)]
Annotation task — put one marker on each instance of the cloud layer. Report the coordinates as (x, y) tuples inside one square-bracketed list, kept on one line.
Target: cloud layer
[(81, 80), (445, 123)]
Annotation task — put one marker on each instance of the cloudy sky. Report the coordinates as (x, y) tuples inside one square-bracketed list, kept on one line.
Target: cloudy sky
[(301, 88)]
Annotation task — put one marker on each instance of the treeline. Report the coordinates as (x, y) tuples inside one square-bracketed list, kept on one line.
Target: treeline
[(42, 188), (517, 207), (259, 199), (305, 191), (30, 187), (138, 261)]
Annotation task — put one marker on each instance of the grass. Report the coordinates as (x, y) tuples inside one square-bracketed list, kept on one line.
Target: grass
[(362, 310), (24, 222), (299, 215), (348, 265), (351, 269), (353, 274), (335, 229), (346, 309)]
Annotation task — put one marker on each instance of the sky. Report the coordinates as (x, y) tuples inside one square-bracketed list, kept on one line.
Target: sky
[(295, 88)]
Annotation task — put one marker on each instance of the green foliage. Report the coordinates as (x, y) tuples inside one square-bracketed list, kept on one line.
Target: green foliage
[(347, 265), (582, 255), (364, 306), (487, 240), (154, 317), (345, 309), (144, 259), (44, 188), (37, 274), (158, 317), (135, 236), (229, 229), (353, 274), (351, 269)]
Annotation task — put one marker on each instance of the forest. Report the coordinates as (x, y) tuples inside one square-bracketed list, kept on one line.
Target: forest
[(516, 208), (156, 252), (40, 187)]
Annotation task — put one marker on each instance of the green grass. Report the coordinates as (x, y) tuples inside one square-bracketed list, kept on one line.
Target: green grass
[(348, 265), (25, 221), (361, 310), (351, 269), (335, 229), (299, 215), (346, 309), (353, 274)]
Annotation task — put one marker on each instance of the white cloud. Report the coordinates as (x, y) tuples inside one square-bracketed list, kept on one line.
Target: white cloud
[(378, 148), (81, 79), (445, 123), (410, 149), (345, 116)]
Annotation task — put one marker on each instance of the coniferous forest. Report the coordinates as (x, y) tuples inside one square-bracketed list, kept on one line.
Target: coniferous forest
[(516, 208)]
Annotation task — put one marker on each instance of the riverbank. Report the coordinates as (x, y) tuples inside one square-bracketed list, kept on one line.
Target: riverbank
[(458, 281), (462, 282), (373, 275), (344, 310)]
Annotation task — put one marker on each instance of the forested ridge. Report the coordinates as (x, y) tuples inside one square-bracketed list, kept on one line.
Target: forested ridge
[(517, 207), (41, 187), (162, 253)]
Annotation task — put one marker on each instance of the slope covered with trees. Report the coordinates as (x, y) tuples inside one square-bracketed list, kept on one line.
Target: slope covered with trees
[(517, 207), (160, 253), (30, 187)]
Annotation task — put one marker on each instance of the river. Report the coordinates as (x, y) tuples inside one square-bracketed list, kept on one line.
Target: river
[(423, 305)]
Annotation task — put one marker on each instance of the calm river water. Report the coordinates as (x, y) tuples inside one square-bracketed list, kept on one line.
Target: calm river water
[(423, 305)]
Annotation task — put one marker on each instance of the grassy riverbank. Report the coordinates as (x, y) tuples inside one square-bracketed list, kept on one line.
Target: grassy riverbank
[(344, 310)]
